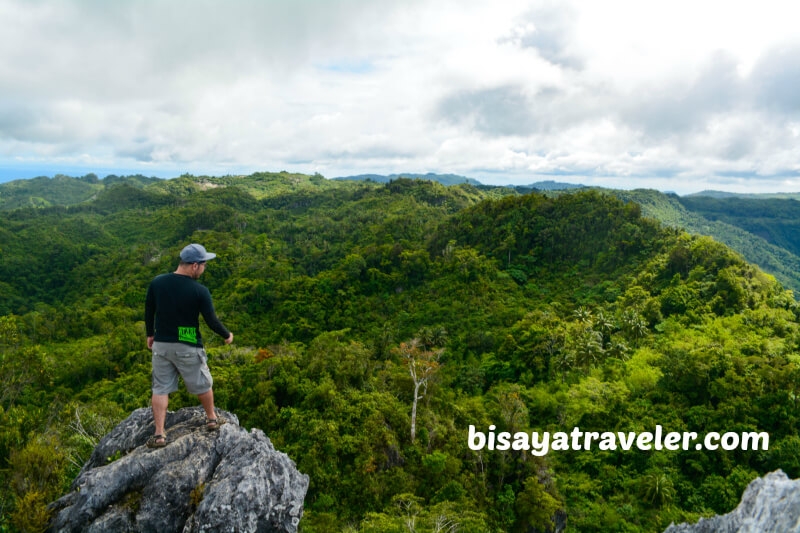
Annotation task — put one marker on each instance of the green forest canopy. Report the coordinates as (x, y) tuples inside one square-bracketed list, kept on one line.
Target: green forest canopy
[(547, 312)]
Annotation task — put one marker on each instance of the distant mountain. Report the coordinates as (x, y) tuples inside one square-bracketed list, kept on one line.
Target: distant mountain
[(444, 179), (455, 179), (714, 194), (761, 196), (551, 185)]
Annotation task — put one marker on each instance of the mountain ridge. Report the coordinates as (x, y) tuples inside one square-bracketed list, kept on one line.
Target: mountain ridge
[(761, 242)]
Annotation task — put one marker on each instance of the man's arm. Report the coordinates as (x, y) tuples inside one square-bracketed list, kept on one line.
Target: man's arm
[(210, 316), (149, 317)]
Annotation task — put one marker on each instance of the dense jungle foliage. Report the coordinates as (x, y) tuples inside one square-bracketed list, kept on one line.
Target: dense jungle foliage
[(526, 312), (759, 227), (776, 220)]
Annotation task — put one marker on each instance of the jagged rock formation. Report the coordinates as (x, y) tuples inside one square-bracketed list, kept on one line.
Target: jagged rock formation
[(225, 480), (771, 504)]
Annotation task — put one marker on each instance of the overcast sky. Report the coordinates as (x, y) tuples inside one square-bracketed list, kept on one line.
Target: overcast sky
[(674, 95)]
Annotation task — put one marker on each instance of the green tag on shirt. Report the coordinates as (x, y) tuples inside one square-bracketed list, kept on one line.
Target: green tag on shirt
[(187, 334)]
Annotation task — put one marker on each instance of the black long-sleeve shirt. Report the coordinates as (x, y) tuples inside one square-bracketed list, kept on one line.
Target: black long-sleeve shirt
[(172, 308)]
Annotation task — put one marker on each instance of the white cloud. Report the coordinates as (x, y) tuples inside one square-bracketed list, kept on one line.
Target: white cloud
[(673, 94)]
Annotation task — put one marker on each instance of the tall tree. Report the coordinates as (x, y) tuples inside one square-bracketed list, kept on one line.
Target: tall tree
[(422, 366)]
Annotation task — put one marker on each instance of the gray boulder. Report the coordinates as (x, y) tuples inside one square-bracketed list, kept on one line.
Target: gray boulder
[(770, 504), (224, 480)]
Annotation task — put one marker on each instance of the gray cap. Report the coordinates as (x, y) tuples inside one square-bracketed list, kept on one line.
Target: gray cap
[(196, 253)]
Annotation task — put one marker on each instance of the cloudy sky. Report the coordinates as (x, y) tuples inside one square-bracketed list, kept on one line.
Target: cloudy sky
[(672, 95)]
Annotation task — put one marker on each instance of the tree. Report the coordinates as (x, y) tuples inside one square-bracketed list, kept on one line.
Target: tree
[(634, 326), (431, 337), (21, 370), (9, 332), (536, 507), (657, 489), (422, 366)]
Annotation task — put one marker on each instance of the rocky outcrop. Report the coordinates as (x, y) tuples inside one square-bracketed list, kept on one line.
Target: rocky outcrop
[(224, 480), (770, 504)]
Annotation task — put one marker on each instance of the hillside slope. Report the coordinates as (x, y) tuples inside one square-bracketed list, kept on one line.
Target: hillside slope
[(757, 233), (776, 220)]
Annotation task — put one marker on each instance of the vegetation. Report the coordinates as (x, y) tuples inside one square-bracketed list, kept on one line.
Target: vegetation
[(776, 220), (760, 228), (375, 323)]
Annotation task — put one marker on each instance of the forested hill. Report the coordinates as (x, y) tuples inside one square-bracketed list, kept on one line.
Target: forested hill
[(523, 312), (60, 189), (761, 228), (776, 220)]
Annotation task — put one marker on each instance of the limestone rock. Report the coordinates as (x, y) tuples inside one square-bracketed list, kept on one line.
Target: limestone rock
[(770, 504), (225, 480)]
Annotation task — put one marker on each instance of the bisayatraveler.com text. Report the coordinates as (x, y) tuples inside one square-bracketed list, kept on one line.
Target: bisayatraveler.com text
[(540, 444)]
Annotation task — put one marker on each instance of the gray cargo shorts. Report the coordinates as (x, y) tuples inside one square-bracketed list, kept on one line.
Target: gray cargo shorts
[(171, 359)]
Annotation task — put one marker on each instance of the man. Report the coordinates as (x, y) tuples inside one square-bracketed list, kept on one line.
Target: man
[(173, 305)]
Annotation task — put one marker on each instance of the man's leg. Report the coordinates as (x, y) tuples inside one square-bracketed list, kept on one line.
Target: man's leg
[(207, 401), (165, 380), (160, 403)]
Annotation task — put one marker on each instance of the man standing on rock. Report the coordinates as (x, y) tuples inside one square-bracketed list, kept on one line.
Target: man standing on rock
[(172, 308)]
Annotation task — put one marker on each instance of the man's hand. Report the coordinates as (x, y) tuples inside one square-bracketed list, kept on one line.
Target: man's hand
[(229, 339), (150, 342)]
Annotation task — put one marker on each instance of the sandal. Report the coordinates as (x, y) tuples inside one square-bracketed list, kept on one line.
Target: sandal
[(157, 441), (213, 424)]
